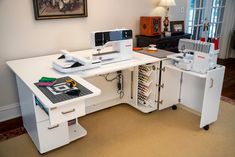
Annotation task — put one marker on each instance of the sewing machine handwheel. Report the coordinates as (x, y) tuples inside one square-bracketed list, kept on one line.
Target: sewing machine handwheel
[(207, 127), (174, 107)]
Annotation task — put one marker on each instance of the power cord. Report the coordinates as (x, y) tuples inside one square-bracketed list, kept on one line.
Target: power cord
[(120, 84), (108, 79), (119, 79)]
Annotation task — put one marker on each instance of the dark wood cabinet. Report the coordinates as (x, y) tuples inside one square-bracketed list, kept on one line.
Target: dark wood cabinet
[(165, 43)]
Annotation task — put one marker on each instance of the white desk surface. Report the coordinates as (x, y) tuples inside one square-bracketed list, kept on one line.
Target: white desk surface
[(191, 72), (185, 71), (30, 70)]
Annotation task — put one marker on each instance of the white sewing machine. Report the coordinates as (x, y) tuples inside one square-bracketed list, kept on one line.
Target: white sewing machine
[(120, 41), (195, 55)]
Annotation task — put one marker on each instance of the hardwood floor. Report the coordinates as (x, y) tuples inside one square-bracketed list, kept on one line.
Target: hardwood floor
[(11, 124), (229, 78), (11, 128)]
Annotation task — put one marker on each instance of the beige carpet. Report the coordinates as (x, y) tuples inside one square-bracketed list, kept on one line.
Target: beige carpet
[(122, 131)]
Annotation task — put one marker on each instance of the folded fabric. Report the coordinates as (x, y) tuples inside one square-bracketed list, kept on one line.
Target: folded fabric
[(46, 84), (47, 79)]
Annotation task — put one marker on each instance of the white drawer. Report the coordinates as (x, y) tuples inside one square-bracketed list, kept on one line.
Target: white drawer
[(51, 137), (59, 114), (67, 112)]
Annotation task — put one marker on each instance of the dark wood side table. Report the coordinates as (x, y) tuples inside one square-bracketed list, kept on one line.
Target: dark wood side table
[(165, 43)]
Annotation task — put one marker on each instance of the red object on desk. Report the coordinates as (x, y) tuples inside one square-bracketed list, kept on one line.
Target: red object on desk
[(203, 39), (137, 48), (216, 43)]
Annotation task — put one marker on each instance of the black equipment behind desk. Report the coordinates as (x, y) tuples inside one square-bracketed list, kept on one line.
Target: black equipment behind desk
[(165, 43)]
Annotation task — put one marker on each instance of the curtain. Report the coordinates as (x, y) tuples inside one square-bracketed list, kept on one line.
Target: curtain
[(228, 27)]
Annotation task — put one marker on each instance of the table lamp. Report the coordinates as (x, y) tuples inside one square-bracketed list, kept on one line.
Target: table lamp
[(167, 4)]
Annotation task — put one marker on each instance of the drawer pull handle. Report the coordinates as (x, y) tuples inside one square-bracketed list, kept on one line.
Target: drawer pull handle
[(68, 111), (53, 108), (212, 83), (53, 127)]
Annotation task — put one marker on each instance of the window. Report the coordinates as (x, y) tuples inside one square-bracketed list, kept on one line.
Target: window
[(198, 11)]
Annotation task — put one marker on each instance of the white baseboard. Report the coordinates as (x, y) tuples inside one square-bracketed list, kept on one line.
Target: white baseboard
[(103, 105), (9, 112)]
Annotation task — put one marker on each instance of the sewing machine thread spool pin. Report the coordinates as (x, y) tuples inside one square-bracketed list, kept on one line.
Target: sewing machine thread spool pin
[(182, 50)]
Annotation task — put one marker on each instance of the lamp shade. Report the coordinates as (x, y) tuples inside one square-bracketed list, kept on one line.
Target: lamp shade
[(167, 3)]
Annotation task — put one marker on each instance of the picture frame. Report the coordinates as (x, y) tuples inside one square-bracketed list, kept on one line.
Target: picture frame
[(59, 9), (177, 27)]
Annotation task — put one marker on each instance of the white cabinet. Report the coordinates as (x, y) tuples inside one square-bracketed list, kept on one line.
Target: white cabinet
[(199, 92), (202, 94), (192, 92), (149, 84), (49, 128), (162, 85), (51, 137), (169, 86), (212, 93), (142, 91), (147, 87)]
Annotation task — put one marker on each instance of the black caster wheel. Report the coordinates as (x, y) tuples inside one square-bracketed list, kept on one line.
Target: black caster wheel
[(174, 107), (207, 127)]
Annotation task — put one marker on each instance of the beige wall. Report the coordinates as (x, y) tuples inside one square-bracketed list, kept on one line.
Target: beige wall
[(21, 36)]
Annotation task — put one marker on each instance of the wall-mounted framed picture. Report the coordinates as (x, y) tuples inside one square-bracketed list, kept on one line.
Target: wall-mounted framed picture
[(57, 9), (177, 27)]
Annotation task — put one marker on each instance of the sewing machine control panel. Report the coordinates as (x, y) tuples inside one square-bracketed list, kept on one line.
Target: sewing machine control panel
[(101, 38)]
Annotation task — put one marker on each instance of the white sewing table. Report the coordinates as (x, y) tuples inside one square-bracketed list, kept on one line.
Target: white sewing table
[(50, 131)]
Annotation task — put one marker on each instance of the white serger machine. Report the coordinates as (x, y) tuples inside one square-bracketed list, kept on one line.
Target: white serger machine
[(120, 45), (195, 56)]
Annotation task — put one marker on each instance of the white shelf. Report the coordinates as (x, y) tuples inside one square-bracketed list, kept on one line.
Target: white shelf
[(146, 83), (145, 109), (148, 73), (146, 94), (76, 131), (146, 104)]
